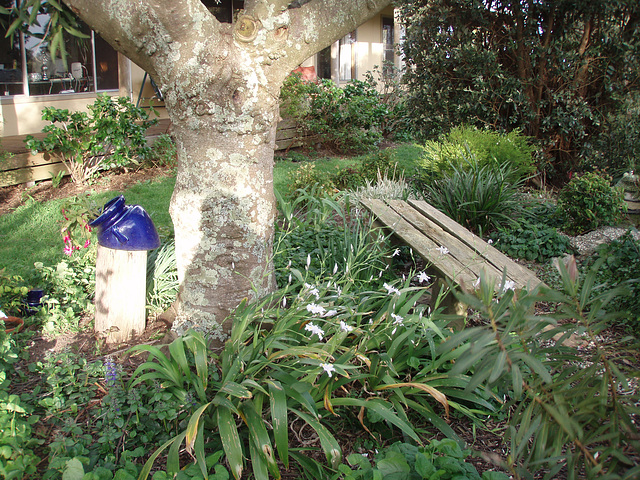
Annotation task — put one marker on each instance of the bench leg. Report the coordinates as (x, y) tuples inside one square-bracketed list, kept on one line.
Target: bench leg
[(448, 301)]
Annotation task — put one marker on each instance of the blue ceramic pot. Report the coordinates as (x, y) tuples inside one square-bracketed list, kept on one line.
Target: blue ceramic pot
[(125, 227)]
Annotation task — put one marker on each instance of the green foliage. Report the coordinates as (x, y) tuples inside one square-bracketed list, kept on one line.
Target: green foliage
[(589, 201), (556, 394), (439, 460), (69, 290), (17, 457), (13, 292), (622, 267), (527, 65), (478, 197), (111, 136), (489, 148), (368, 169), (618, 151), (531, 241), (326, 237), (163, 152), (348, 119), (162, 277)]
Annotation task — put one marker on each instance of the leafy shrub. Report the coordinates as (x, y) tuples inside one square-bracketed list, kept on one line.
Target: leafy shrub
[(376, 165), (488, 148), (622, 261), (308, 177), (13, 291), (556, 395), (347, 119), (440, 459), (589, 201), (479, 197), (163, 152), (531, 241), (69, 289), (111, 136)]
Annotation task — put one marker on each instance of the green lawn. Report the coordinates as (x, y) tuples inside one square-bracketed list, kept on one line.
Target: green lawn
[(32, 232)]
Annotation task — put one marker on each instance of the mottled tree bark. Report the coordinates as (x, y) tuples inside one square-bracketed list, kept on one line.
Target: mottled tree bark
[(221, 85)]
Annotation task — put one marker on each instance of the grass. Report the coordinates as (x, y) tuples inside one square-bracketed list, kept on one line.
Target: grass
[(32, 232)]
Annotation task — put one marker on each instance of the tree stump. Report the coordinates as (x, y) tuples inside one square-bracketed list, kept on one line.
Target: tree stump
[(120, 293)]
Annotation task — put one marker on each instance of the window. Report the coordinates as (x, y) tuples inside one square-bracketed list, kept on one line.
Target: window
[(323, 63), (27, 68), (347, 53), (388, 52)]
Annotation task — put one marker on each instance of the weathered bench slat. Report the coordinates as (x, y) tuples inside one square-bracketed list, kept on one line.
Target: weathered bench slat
[(521, 275), (472, 259), (422, 244), (425, 229)]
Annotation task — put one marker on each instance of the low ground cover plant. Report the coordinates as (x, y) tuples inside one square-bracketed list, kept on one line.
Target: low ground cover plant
[(531, 241)]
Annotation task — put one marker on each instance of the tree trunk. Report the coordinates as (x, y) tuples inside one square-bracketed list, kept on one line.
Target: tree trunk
[(223, 207)]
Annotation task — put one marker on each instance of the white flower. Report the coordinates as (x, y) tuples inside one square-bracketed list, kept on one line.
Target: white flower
[(314, 329), (344, 327), (289, 278), (335, 268), (423, 277), (391, 289), (490, 241), (338, 290), (312, 290), (316, 309), (284, 302), (330, 313), (397, 319), (396, 252), (328, 368), (308, 260), (289, 264), (443, 250), (508, 285), (476, 284)]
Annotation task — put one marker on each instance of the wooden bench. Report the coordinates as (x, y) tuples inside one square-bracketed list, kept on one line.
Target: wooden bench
[(427, 230)]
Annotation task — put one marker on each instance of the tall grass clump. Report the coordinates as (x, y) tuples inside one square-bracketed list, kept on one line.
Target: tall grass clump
[(479, 197)]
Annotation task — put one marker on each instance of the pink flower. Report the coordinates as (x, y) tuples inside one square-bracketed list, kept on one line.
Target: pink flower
[(68, 250), (66, 239), (87, 243)]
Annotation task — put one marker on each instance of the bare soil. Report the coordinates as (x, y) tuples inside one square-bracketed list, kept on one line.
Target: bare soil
[(13, 196)]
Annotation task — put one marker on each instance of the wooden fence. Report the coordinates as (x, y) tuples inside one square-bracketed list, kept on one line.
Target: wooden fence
[(24, 166)]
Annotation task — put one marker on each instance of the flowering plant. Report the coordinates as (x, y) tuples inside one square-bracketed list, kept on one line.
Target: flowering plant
[(77, 212)]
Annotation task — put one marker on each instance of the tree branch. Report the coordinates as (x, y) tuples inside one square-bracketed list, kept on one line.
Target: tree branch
[(144, 30)]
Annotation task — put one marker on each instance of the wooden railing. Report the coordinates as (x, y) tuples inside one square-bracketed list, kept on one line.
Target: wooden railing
[(24, 166)]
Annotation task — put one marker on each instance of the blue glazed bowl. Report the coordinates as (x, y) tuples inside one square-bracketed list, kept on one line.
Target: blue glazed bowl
[(125, 227)]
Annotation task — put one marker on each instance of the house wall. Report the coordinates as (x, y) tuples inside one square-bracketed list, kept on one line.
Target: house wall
[(369, 47)]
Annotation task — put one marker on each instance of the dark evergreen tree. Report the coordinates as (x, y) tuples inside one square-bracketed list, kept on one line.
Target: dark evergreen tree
[(565, 72)]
